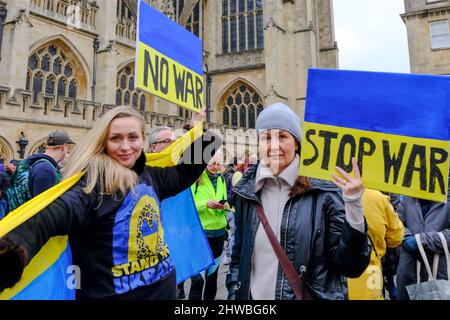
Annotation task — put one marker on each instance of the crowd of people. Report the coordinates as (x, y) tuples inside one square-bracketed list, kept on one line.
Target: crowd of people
[(284, 236)]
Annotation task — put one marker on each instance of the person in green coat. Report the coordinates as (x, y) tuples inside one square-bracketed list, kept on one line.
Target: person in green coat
[(210, 196)]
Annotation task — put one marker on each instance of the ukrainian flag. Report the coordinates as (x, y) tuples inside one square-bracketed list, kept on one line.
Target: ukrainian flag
[(48, 277), (396, 125), (45, 277), (183, 232), (169, 59)]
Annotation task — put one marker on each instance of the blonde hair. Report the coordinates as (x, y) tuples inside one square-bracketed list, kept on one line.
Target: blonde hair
[(217, 156), (89, 156)]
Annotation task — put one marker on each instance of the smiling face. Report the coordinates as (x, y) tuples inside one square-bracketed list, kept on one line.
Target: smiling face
[(277, 149), (125, 140)]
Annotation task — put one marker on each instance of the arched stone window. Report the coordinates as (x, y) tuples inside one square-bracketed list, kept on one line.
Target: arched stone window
[(39, 146), (73, 88), (178, 6), (234, 116), (50, 85), (241, 107), (5, 151), (195, 21), (184, 113), (142, 104), (226, 115), (126, 93), (135, 100), (62, 83), (51, 72), (123, 11), (242, 25), (126, 20), (37, 85)]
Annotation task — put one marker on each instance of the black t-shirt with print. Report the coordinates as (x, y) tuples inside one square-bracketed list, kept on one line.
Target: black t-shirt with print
[(117, 244)]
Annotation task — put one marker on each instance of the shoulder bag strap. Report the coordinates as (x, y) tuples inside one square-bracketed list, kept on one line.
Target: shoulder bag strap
[(447, 255), (373, 247), (424, 258), (294, 279)]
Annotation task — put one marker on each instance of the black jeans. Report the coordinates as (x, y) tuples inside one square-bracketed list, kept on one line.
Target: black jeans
[(197, 282)]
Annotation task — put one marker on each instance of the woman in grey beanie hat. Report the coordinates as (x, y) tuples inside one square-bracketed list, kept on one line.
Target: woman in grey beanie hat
[(276, 123), (322, 233), (279, 116)]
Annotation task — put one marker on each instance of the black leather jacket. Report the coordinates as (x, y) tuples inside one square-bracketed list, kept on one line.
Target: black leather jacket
[(315, 235)]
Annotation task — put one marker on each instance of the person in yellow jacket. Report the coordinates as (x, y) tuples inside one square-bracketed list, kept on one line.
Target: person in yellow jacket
[(210, 197), (385, 230)]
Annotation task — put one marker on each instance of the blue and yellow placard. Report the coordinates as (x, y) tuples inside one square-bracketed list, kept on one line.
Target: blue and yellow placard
[(169, 60), (395, 125)]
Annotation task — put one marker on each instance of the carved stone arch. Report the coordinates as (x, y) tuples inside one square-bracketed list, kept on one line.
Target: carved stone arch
[(6, 151), (126, 63), (139, 99), (38, 146), (241, 100), (232, 85), (81, 67)]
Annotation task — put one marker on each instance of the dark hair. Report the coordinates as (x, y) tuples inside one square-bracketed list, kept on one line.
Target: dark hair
[(301, 186)]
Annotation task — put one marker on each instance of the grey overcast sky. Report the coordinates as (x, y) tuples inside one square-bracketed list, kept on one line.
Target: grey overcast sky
[(371, 35)]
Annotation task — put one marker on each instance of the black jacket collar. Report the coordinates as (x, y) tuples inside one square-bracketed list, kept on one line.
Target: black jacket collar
[(139, 166)]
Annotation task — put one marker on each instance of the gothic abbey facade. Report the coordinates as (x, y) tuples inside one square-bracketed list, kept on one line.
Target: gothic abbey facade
[(65, 62)]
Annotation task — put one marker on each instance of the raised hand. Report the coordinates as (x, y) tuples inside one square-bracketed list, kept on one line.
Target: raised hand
[(197, 117), (348, 184)]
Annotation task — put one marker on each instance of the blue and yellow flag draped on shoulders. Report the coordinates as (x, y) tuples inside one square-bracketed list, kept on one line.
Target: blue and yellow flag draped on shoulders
[(395, 125), (48, 276)]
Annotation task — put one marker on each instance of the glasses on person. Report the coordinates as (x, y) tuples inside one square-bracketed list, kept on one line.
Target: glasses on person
[(166, 141)]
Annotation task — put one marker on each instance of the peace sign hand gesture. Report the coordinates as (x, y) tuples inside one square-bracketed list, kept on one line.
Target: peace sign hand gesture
[(348, 184)]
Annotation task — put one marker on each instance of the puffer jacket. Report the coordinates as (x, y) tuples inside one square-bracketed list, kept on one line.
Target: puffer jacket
[(437, 219), (315, 235)]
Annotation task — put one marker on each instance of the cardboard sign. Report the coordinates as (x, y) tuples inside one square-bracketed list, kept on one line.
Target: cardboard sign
[(169, 60), (395, 125)]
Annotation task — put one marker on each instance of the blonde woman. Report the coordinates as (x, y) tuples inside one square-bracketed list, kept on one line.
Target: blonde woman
[(111, 215)]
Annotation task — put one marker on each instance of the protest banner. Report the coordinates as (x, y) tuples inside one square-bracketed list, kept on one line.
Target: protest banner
[(169, 60), (393, 124)]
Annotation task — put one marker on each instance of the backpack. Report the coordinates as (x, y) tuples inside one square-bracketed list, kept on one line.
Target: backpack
[(228, 179), (3, 208), (4, 184), (19, 192)]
